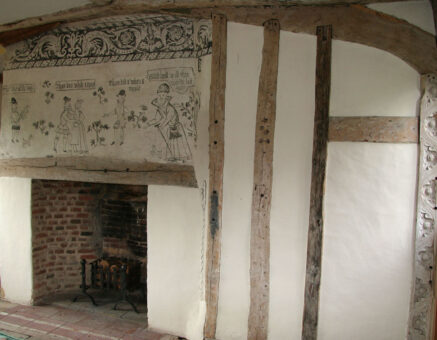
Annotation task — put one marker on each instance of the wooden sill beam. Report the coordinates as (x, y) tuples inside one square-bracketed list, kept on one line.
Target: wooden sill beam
[(353, 23), (92, 169), (374, 129)]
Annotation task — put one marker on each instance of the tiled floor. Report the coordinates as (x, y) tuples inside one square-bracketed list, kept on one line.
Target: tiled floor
[(66, 320)]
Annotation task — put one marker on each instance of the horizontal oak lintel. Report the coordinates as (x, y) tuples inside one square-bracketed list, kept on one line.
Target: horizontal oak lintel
[(374, 129), (92, 169)]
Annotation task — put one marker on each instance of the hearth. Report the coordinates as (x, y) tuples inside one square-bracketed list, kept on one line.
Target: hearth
[(102, 225)]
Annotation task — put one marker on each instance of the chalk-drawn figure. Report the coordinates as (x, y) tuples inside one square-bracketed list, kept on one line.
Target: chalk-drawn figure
[(77, 136), (120, 113), (167, 123), (17, 116), (62, 130)]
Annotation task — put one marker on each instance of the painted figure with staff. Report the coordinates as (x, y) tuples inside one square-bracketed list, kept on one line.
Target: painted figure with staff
[(171, 130)]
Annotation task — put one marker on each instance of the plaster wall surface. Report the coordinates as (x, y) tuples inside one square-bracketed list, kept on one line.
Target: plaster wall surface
[(368, 241), (15, 240), (173, 268), (242, 76), (418, 12), (291, 184), (370, 82)]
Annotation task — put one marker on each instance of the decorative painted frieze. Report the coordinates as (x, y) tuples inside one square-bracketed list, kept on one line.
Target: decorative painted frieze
[(130, 38), (421, 316)]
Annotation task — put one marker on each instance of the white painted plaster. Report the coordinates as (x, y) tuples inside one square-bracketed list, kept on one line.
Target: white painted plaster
[(242, 76), (173, 268), (418, 13), (16, 240), (291, 184), (371, 82), (368, 241)]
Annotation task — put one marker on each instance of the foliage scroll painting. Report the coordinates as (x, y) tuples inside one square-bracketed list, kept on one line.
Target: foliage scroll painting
[(124, 87)]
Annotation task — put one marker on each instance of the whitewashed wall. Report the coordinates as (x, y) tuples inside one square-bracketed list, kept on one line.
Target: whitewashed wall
[(15, 240), (173, 268), (368, 241)]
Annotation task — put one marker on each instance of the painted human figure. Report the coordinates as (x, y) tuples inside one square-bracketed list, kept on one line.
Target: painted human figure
[(63, 130), (16, 117), (74, 121), (171, 130), (83, 145), (120, 113)]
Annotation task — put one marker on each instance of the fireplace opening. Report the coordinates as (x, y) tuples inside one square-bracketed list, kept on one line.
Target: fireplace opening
[(89, 241)]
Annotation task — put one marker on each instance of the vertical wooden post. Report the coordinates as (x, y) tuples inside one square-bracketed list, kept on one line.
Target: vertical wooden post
[(423, 293), (216, 160), (320, 146), (262, 185)]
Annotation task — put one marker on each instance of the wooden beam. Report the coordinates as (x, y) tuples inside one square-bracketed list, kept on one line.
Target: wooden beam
[(92, 169), (262, 185), (434, 10), (216, 161), (374, 129), (122, 7), (318, 173), (353, 23), (10, 37)]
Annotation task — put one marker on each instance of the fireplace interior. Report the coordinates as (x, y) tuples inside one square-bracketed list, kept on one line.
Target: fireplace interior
[(89, 232)]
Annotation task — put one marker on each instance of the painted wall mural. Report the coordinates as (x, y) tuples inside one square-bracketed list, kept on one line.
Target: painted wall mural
[(125, 88)]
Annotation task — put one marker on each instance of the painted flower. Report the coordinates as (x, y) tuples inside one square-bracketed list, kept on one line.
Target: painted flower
[(127, 38)]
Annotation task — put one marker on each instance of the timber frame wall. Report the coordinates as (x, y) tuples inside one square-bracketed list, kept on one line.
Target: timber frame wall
[(348, 21)]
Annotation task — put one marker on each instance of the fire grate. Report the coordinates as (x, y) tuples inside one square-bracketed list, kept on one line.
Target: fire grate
[(112, 274)]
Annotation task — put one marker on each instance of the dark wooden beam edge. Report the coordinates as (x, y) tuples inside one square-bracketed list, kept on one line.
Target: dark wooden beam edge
[(262, 185), (374, 129), (353, 23), (318, 174), (91, 169), (10, 37), (121, 7), (216, 163), (434, 10)]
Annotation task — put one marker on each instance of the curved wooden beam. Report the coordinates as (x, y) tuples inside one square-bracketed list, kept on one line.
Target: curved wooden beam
[(353, 23), (119, 7)]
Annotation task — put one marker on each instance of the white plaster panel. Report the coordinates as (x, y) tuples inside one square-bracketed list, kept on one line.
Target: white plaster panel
[(242, 77), (371, 82), (15, 240), (368, 241), (291, 184), (173, 269), (418, 13)]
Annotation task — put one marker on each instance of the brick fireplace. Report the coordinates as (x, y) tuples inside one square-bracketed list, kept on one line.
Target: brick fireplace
[(72, 221)]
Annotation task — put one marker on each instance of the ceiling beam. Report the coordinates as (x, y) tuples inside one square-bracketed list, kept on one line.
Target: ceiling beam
[(353, 23), (119, 7)]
